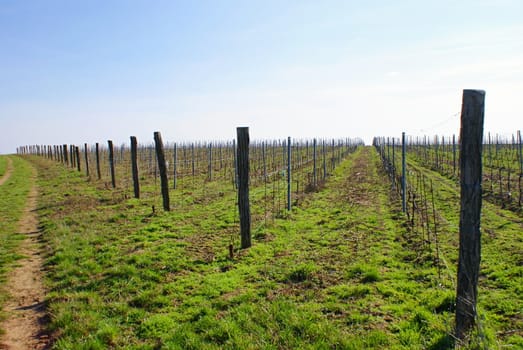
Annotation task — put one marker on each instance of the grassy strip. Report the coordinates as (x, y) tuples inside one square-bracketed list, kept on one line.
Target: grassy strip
[(501, 278), (13, 196), (375, 288)]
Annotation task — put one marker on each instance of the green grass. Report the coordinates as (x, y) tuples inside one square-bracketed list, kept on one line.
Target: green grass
[(339, 271), (501, 271), (13, 196)]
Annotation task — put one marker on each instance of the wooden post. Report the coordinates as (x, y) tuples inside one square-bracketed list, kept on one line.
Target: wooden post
[(471, 136), (77, 151), (72, 152), (403, 173), (99, 173), (289, 173), (86, 159), (163, 169), (134, 166), (111, 162), (72, 164), (243, 186), (66, 158)]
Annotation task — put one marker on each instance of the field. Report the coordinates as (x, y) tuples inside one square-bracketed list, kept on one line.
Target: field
[(344, 269)]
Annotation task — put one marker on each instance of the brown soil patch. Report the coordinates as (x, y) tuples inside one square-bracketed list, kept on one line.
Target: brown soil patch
[(26, 316), (8, 171), (361, 184)]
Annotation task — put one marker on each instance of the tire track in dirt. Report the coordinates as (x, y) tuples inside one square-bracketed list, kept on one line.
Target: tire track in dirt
[(360, 190), (26, 311), (8, 171)]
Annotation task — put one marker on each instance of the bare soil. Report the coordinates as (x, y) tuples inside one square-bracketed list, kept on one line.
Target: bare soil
[(8, 171), (26, 311)]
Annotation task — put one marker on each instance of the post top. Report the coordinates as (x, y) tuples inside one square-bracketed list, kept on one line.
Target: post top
[(482, 92)]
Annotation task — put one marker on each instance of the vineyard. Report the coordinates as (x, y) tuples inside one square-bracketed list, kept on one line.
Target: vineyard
[(201, 171), (502, 176), (341, 256)]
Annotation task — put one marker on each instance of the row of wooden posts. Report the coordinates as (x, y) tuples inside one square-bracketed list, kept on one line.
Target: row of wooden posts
[(242, 173), (70, 154)]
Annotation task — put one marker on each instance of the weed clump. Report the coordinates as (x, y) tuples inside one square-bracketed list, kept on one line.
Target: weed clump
[(366, 274), (156, 327), (301, 273)]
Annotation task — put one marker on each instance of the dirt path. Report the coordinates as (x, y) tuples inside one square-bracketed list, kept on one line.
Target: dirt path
[(8, 171), (26, 309)]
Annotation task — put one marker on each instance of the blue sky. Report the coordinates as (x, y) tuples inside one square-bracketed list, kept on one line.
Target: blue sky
[(87, 71)]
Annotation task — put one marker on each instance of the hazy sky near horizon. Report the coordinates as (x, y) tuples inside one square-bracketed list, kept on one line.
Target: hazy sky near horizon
[(88, 71)]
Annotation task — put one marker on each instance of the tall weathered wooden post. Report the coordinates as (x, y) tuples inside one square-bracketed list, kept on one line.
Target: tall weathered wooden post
[(77, 152), (66, 160), (242, 162), (72, 156), (86, 154), (160, 155), (134, 166), (111, 162), (98, 171), (471, 137)]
